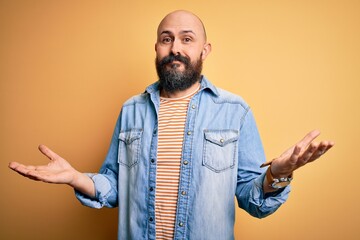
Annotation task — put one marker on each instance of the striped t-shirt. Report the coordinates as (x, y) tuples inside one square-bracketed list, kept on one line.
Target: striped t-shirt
[(172, 117)]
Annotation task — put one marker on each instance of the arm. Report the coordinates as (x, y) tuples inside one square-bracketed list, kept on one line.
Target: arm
[(106, 180), (250, 177), (57, 171)]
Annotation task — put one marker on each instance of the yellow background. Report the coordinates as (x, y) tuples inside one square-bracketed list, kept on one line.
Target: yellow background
[(66, 67)]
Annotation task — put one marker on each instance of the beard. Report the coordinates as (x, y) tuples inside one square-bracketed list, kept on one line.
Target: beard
[(171, 79)]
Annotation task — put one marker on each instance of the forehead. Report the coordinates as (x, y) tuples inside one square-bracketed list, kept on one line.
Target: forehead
[(180, 22)]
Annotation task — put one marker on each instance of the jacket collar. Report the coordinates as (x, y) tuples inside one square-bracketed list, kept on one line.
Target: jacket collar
[(205, 85)]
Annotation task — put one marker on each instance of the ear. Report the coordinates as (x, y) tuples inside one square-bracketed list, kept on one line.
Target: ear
[(155, 47), (206, 50)]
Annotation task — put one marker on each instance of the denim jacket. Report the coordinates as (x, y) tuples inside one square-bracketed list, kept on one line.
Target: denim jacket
[(221, 155)]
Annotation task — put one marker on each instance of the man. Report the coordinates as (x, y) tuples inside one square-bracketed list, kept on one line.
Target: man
[(182, 150)]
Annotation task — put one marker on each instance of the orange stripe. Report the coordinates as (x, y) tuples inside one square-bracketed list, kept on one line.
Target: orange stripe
[(172, 117)]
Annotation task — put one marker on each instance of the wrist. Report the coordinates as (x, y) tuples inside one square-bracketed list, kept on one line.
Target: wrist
[(83, 183), (275, 170), (275, 181), (275, 173), (74, 179)]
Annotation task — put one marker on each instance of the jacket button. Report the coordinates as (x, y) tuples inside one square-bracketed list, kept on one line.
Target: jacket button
[(151, 219), (181, 224), (183, 193), (186, 162), (189, 133)]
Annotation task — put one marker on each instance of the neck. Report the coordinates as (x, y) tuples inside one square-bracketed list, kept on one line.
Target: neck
[(179, 94)]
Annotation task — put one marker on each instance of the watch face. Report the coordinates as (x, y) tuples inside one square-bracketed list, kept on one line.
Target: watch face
[(280, 184), (277, 183)]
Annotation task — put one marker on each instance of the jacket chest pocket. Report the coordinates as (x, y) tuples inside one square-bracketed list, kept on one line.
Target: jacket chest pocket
[(129, 147), (220, 148)]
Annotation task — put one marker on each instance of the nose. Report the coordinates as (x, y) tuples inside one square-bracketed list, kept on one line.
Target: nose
[(176, 47)]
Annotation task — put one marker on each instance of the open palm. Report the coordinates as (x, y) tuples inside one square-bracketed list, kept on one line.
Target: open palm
[(58, 170)]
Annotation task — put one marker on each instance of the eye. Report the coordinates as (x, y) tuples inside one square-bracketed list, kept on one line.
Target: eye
[(166, 40), (187, 39)]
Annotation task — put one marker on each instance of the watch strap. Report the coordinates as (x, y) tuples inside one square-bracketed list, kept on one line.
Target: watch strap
[(277, 183)]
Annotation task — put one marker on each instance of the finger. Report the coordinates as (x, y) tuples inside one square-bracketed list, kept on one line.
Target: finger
[(308, 138), (295, 155), (308, 153), (32, 172), (23, 170), (18, 167), (324, 146), (43, 176), (36, 175), (13, 165), (48, 152), (30, 176)]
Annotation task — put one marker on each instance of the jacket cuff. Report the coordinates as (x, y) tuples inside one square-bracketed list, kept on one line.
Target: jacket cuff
[(102, 189), (269, 202)]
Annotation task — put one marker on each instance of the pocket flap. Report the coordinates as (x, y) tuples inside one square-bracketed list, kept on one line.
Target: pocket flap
[(129, 136), (221, 137)]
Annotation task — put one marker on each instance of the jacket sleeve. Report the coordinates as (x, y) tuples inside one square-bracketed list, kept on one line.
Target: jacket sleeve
[(106, 181), (250, 177)]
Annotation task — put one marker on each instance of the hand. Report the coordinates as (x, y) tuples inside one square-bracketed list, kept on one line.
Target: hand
[(303, 152), (57, 171)]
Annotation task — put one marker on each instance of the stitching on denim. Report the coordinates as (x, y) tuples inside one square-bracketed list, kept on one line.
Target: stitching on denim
[(140, 99), (205, 145), (136, 151), (247, 110)]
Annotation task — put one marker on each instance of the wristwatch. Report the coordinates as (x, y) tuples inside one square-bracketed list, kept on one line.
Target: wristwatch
[(277, 183)]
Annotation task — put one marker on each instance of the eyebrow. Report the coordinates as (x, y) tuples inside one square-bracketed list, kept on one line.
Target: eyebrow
[(181, 32)]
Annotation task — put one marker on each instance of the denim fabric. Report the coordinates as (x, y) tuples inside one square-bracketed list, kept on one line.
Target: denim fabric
[(222, 152)]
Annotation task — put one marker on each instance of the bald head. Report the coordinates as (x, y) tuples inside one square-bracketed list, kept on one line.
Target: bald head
[(182, 20), (181, 48)]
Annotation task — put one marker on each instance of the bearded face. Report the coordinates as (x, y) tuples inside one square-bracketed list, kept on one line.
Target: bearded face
[(173, 79)]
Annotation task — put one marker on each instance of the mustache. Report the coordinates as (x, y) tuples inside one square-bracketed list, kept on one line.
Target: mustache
[(171, 58)]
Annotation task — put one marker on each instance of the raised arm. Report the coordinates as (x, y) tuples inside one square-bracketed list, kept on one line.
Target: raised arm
[(57, 171)]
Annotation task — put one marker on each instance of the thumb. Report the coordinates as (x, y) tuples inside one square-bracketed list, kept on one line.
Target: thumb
[(48, 152)]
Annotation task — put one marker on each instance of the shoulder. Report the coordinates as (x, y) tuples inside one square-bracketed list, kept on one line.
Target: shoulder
[(221, 96), (137, 99), (144, 97), (227, 97)]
